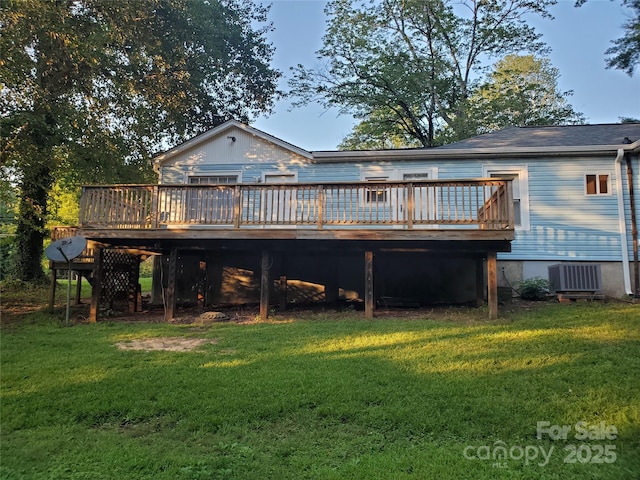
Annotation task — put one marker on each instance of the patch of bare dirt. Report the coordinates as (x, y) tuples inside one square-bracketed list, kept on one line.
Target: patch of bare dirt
[(167, 344), (14, 312), (249, 314)]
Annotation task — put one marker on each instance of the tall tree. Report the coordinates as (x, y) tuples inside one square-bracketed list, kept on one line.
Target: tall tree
[(520, 91), (412, 62), (625, 52), (94, 87), (381, 130)]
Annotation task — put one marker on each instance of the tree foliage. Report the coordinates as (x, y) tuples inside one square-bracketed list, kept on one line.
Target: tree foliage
[(91, 88), (406, 67), (520, 91), (625, 52), (379, 131)]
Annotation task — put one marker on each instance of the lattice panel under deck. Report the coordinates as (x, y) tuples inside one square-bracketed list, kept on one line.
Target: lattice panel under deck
[(120, 278)]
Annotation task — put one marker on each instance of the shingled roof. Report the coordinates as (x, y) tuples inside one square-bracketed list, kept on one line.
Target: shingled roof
[(558, 136)]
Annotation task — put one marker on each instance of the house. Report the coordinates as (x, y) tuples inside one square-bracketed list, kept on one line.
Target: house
[(239, 215)]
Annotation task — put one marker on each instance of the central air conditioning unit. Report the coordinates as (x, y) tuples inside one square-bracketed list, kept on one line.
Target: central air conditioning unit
[(576, 277)]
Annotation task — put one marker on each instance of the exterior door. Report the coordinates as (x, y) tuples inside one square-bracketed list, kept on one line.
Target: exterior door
[(424, 198), (279, 205), (519, 174)]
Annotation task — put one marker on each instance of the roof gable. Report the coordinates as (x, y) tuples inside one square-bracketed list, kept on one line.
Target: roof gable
[(227, 129)]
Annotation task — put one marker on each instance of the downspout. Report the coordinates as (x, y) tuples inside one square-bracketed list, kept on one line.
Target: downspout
[(634, 228), (623, 223)]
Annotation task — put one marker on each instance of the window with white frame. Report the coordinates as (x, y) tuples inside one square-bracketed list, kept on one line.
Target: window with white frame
[(213, 179), (376, 194), (519, 176), (597, 184), (211, 205), (409, 177), (279, 177), (381, 195)]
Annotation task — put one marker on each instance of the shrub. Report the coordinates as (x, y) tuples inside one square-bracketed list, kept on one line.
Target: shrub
[(146, 267), (534, 288)]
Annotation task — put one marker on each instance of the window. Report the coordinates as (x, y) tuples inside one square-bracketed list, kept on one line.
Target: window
[(519, 181), (211, 205), (597, 184), (213, 179), (393, 199), (280, 178), (409, 177), (377, 194)]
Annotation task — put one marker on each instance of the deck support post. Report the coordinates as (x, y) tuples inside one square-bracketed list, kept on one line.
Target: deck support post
[(215, 279), (332, 285), (282, 286), (170, 309), (96, 290), (480, 291), (331, 292), (368, 284), (331, 280), (265, 267), (492, 284), (78, 287), (156, 281), (133, 296), (52, 290)]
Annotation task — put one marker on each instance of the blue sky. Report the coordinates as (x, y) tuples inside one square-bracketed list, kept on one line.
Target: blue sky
[(578, 38)]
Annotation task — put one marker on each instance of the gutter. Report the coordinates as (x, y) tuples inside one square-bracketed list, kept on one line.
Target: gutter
[(623, 223), (441, 153)]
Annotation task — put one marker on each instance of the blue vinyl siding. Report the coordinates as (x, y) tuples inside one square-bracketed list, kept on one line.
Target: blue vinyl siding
[(567, 224)]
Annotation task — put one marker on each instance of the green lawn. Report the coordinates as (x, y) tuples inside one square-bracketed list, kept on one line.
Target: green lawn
[(327, 396)]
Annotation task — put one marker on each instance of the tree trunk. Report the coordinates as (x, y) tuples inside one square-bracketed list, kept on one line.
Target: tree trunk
[(30, 232)]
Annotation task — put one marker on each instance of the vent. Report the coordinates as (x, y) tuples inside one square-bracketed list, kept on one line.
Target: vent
[(576, 277)]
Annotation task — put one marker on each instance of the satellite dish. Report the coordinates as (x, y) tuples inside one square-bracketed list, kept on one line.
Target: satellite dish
[(66, 249)]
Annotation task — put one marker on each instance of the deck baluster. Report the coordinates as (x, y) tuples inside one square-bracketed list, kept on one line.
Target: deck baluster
[(485, 203)]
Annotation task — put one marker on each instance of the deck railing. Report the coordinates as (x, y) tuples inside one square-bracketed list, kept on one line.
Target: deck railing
[(476, 203)]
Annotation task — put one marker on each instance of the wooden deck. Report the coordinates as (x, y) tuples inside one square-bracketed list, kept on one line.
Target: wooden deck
[(479, 209), (471, 217)]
